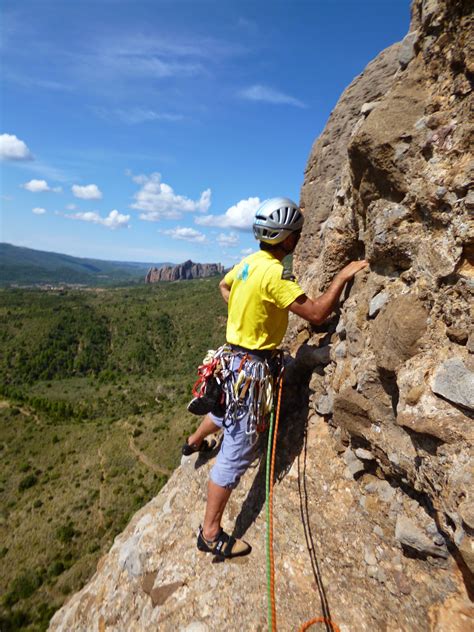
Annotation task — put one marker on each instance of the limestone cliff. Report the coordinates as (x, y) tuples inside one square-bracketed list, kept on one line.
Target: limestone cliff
[(399, 388), (374, 511), (183, 271)]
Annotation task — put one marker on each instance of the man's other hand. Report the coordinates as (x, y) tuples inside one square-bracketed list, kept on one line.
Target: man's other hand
[(316, 311), (351, 269)]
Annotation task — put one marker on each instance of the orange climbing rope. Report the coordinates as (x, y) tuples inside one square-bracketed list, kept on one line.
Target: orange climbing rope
[(308, 624), (271, 560)]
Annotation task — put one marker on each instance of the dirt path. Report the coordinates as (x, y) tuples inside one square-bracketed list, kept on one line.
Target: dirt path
[(143, 458), (5, 403)]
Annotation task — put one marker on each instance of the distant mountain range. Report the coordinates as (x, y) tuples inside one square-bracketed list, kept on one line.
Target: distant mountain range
[(25, 266)]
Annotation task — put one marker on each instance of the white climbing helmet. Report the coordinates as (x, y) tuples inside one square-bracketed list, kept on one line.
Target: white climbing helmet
[(275, 219)]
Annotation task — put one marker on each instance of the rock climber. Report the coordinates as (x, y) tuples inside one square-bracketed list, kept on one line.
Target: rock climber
[(259, 293)]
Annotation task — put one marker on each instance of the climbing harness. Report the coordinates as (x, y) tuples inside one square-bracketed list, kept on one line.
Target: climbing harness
[(247, 390), (270, 473)]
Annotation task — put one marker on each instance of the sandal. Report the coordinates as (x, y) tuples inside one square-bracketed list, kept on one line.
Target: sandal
[(224, 545), (205, 446)]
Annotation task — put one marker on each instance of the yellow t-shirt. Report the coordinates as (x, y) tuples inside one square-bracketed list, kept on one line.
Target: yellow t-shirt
[(259, 301)]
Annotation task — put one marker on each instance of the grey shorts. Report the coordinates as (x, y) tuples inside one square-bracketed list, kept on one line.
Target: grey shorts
[(238, 449)]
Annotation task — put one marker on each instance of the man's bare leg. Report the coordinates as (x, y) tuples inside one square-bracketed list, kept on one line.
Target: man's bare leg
[(217, 498), (206, 427)]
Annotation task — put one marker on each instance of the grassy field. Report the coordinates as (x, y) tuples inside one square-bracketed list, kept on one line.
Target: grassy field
[(92, 415)]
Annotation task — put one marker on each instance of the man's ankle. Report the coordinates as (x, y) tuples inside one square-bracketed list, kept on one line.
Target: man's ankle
[(211, 535)]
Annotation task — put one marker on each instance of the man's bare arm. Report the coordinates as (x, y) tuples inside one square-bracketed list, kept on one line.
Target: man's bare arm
[(316, 311), (225, 290)]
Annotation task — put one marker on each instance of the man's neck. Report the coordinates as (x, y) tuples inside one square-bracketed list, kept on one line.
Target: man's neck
[(278, 253)]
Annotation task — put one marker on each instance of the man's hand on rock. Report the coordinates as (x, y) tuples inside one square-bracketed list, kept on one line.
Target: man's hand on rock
[(351, 269)]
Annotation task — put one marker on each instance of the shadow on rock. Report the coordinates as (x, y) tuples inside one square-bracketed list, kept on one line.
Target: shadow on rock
[(290, 439), (308, 533)]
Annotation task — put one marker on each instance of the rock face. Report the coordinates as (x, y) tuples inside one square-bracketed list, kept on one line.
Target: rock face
[(374, 501), (401, 375), (186, 270)]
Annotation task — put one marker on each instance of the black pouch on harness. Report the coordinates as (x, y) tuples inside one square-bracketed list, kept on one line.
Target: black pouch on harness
[(211, 400)]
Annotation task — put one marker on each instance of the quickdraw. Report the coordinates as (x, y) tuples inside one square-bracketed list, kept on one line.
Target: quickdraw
[(248, 390)]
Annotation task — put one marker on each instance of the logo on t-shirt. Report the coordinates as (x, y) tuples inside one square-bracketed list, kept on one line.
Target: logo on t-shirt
[(243, 272)]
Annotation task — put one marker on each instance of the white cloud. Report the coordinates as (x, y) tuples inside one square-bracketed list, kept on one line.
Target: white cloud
[(229, 240), (136, 115), (29, 81), (269, 95), (247, 251), (113, 220), (185, 234), (158, 200), (71, 207), (87, 192), (139, 64), (35, 186), (39, 186), (240, 216), (39, 211), (12, 148), (156, 56)]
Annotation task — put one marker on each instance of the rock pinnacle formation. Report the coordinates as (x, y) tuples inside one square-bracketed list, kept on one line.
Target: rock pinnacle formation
[(374, 494), (187, 270)]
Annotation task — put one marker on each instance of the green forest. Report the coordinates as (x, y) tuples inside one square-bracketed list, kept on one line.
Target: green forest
[(94, 387)]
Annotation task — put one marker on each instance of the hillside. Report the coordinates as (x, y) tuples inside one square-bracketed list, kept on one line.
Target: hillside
[(373, 495), (26, 266), (92, 416)]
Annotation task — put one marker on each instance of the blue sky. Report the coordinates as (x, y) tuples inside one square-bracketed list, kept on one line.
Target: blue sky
[(150, 130)]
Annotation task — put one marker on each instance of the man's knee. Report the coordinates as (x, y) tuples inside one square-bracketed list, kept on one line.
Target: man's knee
[(224, 477)]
